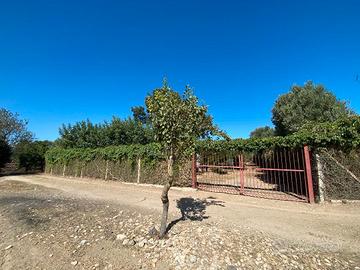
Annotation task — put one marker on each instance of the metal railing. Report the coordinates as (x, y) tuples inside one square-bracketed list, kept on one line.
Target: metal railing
[(283, 174)]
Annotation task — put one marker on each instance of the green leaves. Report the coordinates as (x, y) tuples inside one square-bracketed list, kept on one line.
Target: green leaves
[(149, 153), (342, 134), (85, 134), (178, 120), (31, 155), (308, 103)]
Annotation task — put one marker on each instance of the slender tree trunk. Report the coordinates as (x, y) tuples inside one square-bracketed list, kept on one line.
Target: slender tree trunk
[(165, 197)]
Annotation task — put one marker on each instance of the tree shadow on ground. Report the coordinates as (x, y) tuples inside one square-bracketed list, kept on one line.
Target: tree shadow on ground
[(193, 209)]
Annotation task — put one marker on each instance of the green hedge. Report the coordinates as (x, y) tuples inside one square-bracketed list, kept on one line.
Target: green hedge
[(149, 153), (343, 134)]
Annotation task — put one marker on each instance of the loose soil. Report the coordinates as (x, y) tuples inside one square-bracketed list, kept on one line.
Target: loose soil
[(51, 222)]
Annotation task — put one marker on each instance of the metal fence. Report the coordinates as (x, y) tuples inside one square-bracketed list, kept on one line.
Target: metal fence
[(283, 174), (337, 174)]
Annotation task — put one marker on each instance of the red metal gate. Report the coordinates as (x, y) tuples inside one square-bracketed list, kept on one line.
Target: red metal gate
[(283, 174)]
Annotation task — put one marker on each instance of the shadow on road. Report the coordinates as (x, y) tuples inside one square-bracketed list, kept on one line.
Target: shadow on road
[(193, 209)]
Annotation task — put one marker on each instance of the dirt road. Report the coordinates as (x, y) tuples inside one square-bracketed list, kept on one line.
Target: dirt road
[(57, 223)]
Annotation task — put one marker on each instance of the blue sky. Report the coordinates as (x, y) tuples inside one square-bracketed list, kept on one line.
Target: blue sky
[(65, 61)]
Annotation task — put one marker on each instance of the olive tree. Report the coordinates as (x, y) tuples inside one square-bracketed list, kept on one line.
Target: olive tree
[(178, 122), (303, 104)]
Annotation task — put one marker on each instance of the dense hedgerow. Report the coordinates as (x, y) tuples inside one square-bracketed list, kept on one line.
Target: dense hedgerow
[(149, 153), (343, 134)]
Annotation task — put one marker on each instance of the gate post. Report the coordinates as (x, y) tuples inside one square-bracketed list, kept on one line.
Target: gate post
[(193, 170), (241, 168), (308, 174)]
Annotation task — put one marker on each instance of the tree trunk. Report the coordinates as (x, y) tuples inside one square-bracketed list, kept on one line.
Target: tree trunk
[(165, 197)]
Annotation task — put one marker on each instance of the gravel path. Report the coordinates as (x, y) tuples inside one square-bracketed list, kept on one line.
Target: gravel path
[(44, 228)]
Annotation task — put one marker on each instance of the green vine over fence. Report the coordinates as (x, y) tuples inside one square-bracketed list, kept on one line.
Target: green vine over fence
[(150, 153), (343, 134)]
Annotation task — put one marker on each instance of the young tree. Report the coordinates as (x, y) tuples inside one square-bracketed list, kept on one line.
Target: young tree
[(178, 121), (262, 132), (308, 103)]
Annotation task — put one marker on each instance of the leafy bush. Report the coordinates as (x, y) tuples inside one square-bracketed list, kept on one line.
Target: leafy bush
[(31, 155)]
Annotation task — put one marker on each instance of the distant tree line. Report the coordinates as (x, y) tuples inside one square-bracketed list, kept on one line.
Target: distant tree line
[(85, 134)]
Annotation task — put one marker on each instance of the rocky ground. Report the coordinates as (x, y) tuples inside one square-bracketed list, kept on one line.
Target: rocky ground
[(42, 228)]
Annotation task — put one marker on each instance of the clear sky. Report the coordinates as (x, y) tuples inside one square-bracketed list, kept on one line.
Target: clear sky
[(65, 61)]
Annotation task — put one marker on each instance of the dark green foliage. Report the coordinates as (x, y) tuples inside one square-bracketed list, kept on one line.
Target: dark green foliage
[(5, 153), (13, 129), (303, 104), (31, 155), (129, 131), (82, 134), (179, 120), (262, 132), (140, 115), (85, 134), (342, 134)]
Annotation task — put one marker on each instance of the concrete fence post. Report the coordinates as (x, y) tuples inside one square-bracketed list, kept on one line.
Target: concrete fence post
[(138, 171), (321, 178), (81, 171), (106, 170), (76, 168), (193, 170), (64, 170)]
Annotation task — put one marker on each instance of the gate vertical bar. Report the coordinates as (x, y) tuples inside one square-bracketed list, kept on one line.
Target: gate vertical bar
[(308, 174), (193, 169), (241, 171)]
